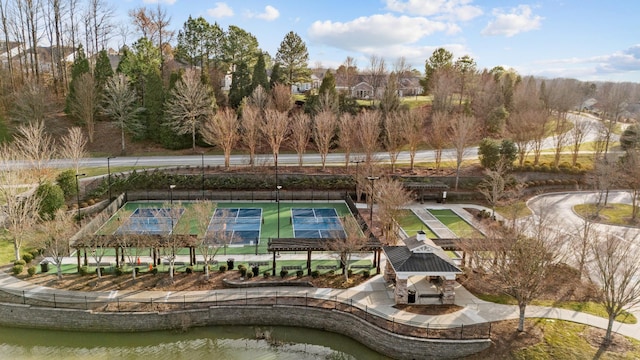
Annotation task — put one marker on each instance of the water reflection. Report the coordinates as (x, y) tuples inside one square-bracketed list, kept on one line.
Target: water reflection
[(222, 342)]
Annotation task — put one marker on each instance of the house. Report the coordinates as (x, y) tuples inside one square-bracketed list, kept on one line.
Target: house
[(420, 257)]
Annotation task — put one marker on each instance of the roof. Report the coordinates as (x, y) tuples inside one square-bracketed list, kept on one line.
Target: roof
[(403, 260), (313, 244)]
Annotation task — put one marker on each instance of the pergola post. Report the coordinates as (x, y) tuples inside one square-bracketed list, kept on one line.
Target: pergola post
[(78, 256), (309, 262), (273, 270)]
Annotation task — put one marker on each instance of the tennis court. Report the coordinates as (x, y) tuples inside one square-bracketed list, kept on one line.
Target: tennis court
[(316, 223), (240, 226), (156, 221)]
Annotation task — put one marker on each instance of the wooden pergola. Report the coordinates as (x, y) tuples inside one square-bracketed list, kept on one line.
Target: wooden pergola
[(318, 244), (420, 188), (118, 242)]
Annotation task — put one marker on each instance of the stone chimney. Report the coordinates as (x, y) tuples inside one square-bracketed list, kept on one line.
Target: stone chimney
[(421, 236)]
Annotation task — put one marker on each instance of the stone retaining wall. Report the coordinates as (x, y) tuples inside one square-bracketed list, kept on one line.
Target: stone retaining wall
[(382, 341)]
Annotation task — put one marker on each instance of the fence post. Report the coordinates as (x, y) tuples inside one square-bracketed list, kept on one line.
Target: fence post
[(305, 299), (55, 305), (427, 330), (184, 301), (461, 329), (276, 297), (24, 298), (335, 303), (246, 297), (118, 303), (489, 331), (86, 304), (366, 312), (351, 307)]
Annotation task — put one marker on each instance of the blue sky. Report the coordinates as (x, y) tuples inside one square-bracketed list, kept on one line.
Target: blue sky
[(585, 39)]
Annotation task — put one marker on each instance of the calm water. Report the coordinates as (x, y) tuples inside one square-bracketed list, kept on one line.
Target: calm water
[(229, 343)]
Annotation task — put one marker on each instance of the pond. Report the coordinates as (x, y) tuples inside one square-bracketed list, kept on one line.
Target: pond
[(222, 342)]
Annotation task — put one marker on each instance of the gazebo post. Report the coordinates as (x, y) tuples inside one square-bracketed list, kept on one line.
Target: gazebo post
[(378, 264), (309, 262), (117, 257), (86, 262), (273, 270), (78, 256)]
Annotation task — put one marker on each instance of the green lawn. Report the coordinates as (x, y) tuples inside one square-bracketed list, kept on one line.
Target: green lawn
[(615, 214), (411, 224), (567, 340), (454, 222)]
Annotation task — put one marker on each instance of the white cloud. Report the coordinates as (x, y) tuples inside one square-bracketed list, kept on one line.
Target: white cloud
[(375, 31), (270, 13), (517, 20), (220, 10), (441, 9)]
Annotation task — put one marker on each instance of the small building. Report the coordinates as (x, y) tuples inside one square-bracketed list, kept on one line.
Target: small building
[(420, 257)]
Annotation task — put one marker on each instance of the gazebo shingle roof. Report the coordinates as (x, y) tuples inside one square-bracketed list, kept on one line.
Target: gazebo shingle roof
[(403, 260)]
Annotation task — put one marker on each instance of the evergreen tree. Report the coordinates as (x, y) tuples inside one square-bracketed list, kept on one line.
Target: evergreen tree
[(80, 66), (240, 85), (276, 76), (293, 56), (259, 75), (103, 71), (328, 85)]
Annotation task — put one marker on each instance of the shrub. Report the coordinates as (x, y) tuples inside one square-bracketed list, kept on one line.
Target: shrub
[(17, 269), (366, 274), (315, 274), (222, 268), (284, 273), (242, 270), (331, 272), (19, 262), (31, 270), (544, 168), (119, 271), (349, 272), (34, 253), (299, 273), (83, 270), (249, 275), (154, 270), (189, 270), (27, 257), (67, 182), (266, 274), (51, 199)]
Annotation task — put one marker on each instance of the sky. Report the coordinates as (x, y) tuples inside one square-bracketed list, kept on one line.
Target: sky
[(589, 40)]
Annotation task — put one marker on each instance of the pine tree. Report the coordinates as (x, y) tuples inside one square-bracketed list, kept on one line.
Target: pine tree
[(240, 85), (103, 71), (260, 75), (80, 66)]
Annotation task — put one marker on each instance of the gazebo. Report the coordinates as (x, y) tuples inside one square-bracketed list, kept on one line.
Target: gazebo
[(419, 257)]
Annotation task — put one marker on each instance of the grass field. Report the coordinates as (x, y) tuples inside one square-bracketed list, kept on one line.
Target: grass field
[(615, 214), (454, 222), (411, 224)]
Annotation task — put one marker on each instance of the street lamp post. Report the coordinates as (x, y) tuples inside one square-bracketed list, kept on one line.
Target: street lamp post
[(109, 175), (171, 187), (78, 193), (278, 201), (357, 162), (372, 179)]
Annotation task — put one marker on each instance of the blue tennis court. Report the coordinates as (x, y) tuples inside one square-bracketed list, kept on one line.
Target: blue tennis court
[(239, 226), (316, 223), (158, 221)]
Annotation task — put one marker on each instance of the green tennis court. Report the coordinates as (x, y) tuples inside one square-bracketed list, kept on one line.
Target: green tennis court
[(454, 222)]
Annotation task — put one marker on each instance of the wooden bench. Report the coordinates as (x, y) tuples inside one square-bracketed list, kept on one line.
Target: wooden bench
[(431, 295), (259, 263), (175, 263), (102, 264), (211, 263), (360, 266)]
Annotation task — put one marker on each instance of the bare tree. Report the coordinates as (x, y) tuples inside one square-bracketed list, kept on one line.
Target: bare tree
[(559, 141), (300, 134), (21, 207), (222, 130), (250, 129), (391, 197), (376, 74), (413, 128), (208, 242), (346, 135), (629, 172), (259, 99), (189, 104), (522, 129), (132, 246), (493, 186), (99, 245), (119, 104), (368, 124), (437, 134), (281, 99), (524, 258), (461, 134), (578, 132), (54, 237), (32, 104), (73, 146), (616, 268), (98, 18), (541, 119), (275, 128), (36, 147), (84, 104), (324, 128), (582, 239), (395, 135), (353, 241), (170, 241)]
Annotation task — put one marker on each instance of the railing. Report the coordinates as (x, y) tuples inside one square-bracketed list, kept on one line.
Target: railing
[(126, 303)]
